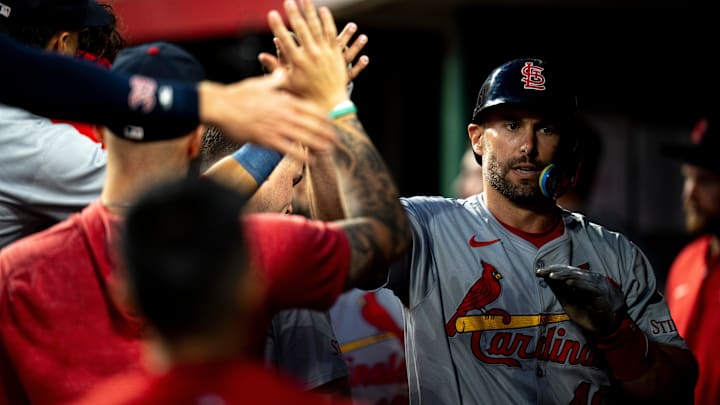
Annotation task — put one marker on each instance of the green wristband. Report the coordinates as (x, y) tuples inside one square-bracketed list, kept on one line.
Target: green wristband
[(344, 108)]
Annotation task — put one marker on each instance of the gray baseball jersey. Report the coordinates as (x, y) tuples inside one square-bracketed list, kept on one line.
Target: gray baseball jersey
[(48, 171), (302, 342), (482, 328)]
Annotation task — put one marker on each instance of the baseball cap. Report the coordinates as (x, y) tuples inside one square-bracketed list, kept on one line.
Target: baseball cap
[(148, 62), (702, 149), (61, 14)]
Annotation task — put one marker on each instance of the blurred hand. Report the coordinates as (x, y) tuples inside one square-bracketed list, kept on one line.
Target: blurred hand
[(317, 69), (590, 299), (258, 110)]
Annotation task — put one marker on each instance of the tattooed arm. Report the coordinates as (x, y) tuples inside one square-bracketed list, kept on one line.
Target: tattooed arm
[(376, 224), (377, 227)]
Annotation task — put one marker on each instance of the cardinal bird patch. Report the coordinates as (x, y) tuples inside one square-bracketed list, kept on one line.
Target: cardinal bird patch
[(498, 337), (484, 291)]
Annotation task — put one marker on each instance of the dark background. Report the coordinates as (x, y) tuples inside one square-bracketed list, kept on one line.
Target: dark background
[(645, 72)]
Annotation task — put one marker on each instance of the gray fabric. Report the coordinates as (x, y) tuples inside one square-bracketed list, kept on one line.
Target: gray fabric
[(302, 343), (47, 172), (502, 364)]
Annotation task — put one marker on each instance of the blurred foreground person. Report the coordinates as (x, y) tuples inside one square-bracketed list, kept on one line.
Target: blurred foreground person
[(189, 274)]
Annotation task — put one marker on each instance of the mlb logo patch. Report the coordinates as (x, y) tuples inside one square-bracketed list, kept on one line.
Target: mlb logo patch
[(5, 10)]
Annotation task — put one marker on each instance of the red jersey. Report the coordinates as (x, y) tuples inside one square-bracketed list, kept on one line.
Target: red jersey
[(693, 295), (224, 383), (61, 331)]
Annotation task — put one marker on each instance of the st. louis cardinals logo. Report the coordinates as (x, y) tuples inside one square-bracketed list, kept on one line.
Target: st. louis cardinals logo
[(532, 77), (506, 345), (483, 292)]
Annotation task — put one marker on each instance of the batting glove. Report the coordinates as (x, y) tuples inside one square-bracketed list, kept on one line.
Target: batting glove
[(590, 299)]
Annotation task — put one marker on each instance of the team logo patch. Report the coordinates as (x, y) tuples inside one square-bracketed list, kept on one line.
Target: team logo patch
[(533, 78), (506, 345), (662, 327), (480, 243), (142, 93)]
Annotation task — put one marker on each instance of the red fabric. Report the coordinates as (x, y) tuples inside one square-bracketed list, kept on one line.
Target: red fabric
[(307, 261), (626, 351), (693, 295), (538, 239), (87, 129), (376, 315), (61, 332), (216, 383), (306, 264)]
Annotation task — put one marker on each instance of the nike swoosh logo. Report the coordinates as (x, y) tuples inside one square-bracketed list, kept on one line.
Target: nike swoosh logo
[(477, 243)]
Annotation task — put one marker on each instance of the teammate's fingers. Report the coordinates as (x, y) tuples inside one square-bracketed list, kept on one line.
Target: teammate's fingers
[(329, 26), (298, 25), (284, 39), (354, 50), (358, 67), (313, 20), (268, 61), (348, 31)]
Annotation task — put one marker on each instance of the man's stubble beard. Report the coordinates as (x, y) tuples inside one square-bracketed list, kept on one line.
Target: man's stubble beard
[(526, 192), (697, 223)]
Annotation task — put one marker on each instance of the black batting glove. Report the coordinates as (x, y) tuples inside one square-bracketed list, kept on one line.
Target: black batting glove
[(590, 299)]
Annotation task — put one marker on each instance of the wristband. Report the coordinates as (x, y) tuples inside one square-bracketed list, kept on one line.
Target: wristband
[(626, 351), (258, 161), (343, 108)]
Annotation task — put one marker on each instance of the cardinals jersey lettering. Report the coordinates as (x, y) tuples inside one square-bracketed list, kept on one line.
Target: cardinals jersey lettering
[(481, 327)]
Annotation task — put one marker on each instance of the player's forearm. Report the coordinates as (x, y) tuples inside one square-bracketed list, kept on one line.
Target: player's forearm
[(380, 230), (323, 190), (670, 378), (91, 94), (649, 371), (231, 173)]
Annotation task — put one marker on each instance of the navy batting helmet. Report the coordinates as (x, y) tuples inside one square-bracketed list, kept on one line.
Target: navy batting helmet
[(530, 83), (535, 85)]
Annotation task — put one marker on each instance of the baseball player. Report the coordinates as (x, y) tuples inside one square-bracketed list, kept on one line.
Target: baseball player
[(514, 300), (693, 282)]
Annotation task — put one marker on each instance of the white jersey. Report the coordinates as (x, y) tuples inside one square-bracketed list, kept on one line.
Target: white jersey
[(482, 328), (368, 325)]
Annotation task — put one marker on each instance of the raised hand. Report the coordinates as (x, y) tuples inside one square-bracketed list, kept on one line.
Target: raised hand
[(351, 52), (317, 66), (258, 110), (591, 300)]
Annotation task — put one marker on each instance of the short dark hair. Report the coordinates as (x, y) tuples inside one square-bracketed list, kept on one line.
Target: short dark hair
[(35, 22), (184, 252), (102, 42)]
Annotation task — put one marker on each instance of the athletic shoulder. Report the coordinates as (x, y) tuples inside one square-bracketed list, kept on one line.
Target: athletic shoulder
[(582, 228)]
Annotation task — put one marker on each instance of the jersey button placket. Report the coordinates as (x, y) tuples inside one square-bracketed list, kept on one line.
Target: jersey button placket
[(540, 264)]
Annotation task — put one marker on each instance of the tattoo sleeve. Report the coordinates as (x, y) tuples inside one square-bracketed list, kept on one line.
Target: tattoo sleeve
[(377, 225)]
